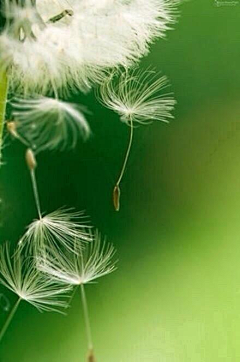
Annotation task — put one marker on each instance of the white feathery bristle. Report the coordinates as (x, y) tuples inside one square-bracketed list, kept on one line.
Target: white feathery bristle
[(21, 17), (71, 43), (48, 123), (21, 276), (137, 96), (94, 261), (58, 230)]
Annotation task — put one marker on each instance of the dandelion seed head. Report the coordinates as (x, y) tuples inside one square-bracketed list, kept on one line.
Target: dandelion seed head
[(85, 39), (21, 276)]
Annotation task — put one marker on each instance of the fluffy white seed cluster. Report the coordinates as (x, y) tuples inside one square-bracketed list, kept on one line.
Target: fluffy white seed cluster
[(56, 44), (50, 47)]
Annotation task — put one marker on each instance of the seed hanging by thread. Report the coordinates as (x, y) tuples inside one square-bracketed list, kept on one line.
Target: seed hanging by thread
[(116, 197)]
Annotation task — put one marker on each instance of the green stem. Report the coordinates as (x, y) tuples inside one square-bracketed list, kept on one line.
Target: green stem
[(3, 103), (9, 318)]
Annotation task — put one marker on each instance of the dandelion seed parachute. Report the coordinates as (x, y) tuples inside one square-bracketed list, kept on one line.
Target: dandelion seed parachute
[(21, 276), (56, 230), (94, 261), (137, 96), (48, 123)]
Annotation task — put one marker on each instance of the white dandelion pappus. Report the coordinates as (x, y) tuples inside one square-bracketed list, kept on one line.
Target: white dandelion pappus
[(94, 261), (119, 32), (21, 18), (21, 276), (58, 230), (71, 43), (35, 63), (136, 97), (48, 123)]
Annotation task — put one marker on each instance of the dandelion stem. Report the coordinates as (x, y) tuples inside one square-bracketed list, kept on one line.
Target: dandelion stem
[(3, 103), (116, 191), (9, 318), (87, 324), (35, 192)]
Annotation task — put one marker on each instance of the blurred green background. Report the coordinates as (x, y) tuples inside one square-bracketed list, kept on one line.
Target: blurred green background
[(176, 294)]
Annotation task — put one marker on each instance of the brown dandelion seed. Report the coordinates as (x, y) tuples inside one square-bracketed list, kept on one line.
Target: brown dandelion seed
[(91, 356), (116, 197), (31, 160), (12, 128)]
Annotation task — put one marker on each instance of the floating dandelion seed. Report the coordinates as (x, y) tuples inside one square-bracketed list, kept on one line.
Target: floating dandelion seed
[(48, 123), (57, 229), (23, 279), (94, 261), (29, 284), (136, 97)]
